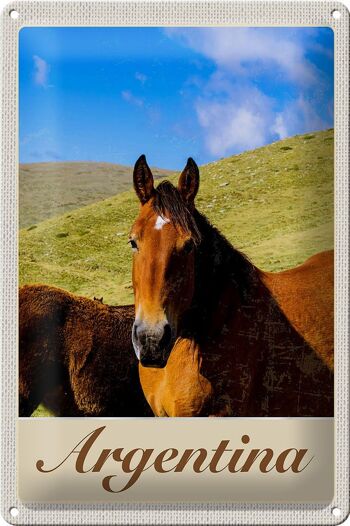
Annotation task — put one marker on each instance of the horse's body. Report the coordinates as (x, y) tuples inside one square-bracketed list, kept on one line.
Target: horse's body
[(75, 354), (249, 343), (273, 355)]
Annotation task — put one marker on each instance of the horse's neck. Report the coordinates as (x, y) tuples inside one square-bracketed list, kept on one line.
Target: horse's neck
[(250, 349), (224, 281)]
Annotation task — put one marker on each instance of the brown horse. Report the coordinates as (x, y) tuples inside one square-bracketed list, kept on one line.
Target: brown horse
[(76, 356), (249, 343)]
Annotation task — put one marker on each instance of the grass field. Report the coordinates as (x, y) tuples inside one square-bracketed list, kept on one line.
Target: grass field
[(51, 189), (274, 203)]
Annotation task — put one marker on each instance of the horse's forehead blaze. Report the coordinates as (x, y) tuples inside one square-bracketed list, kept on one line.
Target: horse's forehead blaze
[(153, 228), (161, 222)]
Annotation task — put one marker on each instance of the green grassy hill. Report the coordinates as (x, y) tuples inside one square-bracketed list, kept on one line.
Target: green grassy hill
[(274, 203), (51, 189)]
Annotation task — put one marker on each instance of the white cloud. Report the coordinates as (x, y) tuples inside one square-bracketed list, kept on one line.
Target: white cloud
[(41, 71), (140, 77), (235, 125), (129, 97), (279, 127), (248, 50), (234, 114), (247, 120), (310, 118), (300, 116)]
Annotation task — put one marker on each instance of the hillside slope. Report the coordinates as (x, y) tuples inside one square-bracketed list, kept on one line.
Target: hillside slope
[(274, 203), (51, 189)]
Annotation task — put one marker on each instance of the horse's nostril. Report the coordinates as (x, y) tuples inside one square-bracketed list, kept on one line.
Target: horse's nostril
[(166, 338), (139, 334)]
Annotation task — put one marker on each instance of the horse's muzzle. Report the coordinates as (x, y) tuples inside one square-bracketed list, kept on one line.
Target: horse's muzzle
[(158, 363), (152, 346)]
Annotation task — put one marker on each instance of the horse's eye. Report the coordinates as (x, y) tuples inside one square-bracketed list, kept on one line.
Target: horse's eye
[(133, 244), (188, 246)]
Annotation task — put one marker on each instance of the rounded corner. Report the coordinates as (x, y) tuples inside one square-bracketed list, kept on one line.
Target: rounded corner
[(343, 518), (331, 30)]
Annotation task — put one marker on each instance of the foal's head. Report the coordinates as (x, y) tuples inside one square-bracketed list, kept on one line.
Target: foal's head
[(162, 238)]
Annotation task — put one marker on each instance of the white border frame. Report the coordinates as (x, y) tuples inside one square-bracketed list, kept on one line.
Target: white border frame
[(162, 13)]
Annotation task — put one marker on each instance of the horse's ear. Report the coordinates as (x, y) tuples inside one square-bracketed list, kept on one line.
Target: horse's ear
[(143, 180), (189, 181)]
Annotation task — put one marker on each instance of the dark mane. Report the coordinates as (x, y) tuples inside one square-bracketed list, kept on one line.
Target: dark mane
[(168, 202), (219, 263)]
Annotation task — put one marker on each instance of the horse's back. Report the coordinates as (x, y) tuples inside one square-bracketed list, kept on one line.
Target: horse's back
[(76, 353), (42, 312), (40, 301), (305, 294)]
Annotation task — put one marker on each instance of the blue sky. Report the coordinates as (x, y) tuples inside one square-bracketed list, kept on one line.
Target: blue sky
[(110, 94)]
